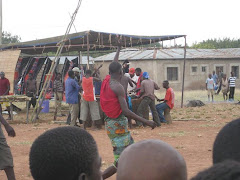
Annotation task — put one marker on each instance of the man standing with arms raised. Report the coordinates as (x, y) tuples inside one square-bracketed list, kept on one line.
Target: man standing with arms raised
[(114, 105)]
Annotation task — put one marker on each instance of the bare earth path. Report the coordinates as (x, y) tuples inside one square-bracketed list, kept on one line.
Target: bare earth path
[(193, 139)]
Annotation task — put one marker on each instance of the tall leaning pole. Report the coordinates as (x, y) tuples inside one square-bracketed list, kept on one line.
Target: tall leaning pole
[(0, 22)]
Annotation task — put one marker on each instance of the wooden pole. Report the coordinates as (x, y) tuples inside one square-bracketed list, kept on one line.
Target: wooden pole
[(0, 22), (184, 64), (88, 51)]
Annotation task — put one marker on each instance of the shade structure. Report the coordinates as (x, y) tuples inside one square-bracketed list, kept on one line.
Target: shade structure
[(78, 42)]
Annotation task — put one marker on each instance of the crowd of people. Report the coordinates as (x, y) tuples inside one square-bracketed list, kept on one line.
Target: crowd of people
[(71, 152), (215, 84)]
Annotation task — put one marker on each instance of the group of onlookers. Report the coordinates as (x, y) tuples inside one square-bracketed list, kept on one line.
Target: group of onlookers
[(71, 153), (77, 157), (80, 95), (215, 84), (143, 88)]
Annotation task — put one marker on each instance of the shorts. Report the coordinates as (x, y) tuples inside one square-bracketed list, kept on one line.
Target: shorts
[(94, 110), (6, 159), (7, 104), (210, 92)]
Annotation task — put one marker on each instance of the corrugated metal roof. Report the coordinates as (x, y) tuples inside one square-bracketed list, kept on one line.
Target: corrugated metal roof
[(135, 54)]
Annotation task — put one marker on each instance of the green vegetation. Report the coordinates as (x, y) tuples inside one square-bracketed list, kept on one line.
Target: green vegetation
[(217, 44), (8, 38)]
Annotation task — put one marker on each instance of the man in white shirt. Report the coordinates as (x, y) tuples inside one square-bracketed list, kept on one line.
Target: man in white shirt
[(232, 84), (134, 79), (210, 86)]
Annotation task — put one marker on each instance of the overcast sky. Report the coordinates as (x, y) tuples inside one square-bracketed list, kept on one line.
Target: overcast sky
[(198, 19)]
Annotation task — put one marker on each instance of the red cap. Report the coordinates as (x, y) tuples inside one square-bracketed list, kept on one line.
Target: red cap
[(131, 71)]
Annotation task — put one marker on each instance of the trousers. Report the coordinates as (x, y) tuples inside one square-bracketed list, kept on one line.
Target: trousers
[(145, 103), (74, 110), (160, 109)]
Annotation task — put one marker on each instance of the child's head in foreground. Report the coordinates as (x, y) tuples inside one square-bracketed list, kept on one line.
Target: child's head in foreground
[(227, 143), (151, 160), (226, 170), (65, 153)]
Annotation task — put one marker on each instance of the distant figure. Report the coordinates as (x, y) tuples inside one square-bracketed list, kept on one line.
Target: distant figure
[(125, 66), (210, 86), (4, 90), (139, 75), (227, 144), (232, 84), (168, 101), (225, 87), (31, 90), (58, 94), (6, 159), (89, 102), (134, 79), (215, 77), (151, 160), (227, 170), (77, 76), (148, 98), (65, 153), (72, 89)]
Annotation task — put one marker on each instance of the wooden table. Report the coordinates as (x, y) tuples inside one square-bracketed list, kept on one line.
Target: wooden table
[(15, 98)]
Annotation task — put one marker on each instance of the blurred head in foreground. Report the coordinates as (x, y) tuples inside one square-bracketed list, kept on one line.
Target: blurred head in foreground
[(227, 143), (65, 153), (152, 160), (227, 170)]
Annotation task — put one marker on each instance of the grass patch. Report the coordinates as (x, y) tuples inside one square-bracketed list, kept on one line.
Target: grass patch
[(211, 125), (22, 143), (173, 134)]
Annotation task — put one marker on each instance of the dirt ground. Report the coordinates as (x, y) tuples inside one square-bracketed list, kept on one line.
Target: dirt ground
[(192, 134)]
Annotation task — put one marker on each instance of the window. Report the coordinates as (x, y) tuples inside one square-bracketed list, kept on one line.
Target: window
[(194, 69), (172, 73), (204, 68), (219, 70), (235, 69)]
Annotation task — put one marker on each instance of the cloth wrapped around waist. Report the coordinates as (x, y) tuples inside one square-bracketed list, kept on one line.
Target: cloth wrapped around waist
[(117, 131)]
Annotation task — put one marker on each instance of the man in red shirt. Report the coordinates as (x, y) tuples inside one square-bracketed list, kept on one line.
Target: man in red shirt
[(4, 90), (88, 101), (168, 101)]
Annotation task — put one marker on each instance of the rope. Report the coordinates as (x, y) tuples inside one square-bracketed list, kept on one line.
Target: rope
[(46, 84)]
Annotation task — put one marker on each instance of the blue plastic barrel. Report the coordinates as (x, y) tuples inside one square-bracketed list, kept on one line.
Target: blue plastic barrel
[(45, 106)]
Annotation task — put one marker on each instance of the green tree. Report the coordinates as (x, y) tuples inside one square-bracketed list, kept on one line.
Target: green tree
[(8, 38), (217, 44)]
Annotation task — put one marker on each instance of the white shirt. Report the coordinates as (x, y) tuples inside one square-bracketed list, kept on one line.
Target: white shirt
[(134, 78), (232, 81)]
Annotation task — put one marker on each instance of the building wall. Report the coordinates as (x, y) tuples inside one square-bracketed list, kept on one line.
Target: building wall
[(157, 70), (8, 61)]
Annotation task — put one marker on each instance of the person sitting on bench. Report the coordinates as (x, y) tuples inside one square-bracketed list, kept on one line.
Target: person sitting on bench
[(168, 101)]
